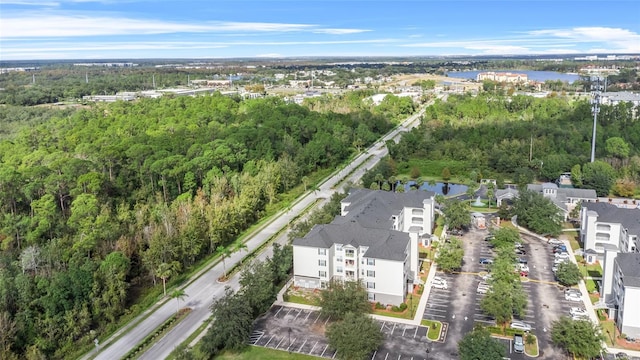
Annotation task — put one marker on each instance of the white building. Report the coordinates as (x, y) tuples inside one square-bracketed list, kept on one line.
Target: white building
[(612, 233), (374, 240), (564, 198)]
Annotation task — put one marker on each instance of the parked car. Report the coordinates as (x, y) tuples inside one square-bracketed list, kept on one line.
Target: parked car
[(521, 252), (523, 267), (554, 241), (439, 285), (522, 261), (524, 273), (518, 344), (519, 325), (578, 311), (572, 297), (562, 255), (518, 245), (486, 277), (489, 237), (558, 261), (554, 268), (560, 249), (486, 261), (580, 318), (483, 290), (439, 279)]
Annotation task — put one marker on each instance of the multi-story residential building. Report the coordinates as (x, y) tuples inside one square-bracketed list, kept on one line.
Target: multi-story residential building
[(502, 77), (374, 240), (611, 233), (626, 293)]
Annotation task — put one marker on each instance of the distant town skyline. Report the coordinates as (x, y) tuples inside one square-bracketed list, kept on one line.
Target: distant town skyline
[(110, 29)]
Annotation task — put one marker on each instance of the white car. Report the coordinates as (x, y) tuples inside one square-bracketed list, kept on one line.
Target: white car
[(438, 285), (562, 255), (483, 290), (577, 311), (554, 241), (580, 318), (572, 297), (558, 261), (439, 279), (523, 267), (486, 277), (519, 325)]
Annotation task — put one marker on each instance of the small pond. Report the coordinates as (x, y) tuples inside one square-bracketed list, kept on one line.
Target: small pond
[(447, 189)]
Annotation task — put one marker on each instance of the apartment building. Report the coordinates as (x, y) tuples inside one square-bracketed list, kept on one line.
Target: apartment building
[(611, 233), (566, 199), (374, 240)]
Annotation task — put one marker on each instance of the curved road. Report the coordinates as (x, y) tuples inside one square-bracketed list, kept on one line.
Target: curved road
[(202, 291)]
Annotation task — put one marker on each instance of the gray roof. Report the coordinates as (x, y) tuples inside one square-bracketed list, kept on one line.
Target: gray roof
[(629, 264), (382, 244), (629, 218), (374, 208), (506, 192), (563, 192), (621, 96)]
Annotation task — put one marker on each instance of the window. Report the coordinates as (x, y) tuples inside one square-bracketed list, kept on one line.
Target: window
[(349, 252), (339, 269), (322, 274), (322, 262), (339, 259), (371, 262), (322, 251), (371, 296), (338, 247), (371, 273), (371, 285)]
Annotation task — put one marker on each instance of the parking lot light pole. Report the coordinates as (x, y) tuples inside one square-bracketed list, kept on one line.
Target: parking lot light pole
[(428, 351), (289, 331)]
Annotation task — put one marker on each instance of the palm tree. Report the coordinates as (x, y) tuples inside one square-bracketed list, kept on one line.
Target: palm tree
[(225, 252), (179, 295), (165, 271)]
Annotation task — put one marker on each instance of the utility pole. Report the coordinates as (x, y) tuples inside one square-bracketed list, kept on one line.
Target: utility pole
[(86, 77), (595, 109)]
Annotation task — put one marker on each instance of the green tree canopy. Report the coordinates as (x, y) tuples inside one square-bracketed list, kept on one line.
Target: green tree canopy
[(342, 297), (450, 255), (568, 274), (456, 214), (355, 337), (479, 345), (578, 337), (617, 147), (537, 213), (599, 176)]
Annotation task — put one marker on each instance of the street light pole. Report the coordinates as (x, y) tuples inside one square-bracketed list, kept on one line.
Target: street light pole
[(289, 331)]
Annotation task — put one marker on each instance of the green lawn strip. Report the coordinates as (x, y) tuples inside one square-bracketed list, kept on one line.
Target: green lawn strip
[(435, 327), (412, 306), (499, 330), (188, 340), (260, 353), (531, 346), (573, 239), (594, 298), (485, 210), (160, 331), (609, 331)]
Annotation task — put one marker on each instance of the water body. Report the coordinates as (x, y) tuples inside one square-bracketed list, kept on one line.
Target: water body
[(541, 76), (438, 188)]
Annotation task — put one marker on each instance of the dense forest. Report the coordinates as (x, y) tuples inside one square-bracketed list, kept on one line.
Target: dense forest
[(105, 202), (523, 139)]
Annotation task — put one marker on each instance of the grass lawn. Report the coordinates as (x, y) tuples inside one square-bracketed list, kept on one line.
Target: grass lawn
[(434, 329), (591, 285), (572, 236), (260, 353), (594, 298), (412, 306), (593, 270), (609, 331)]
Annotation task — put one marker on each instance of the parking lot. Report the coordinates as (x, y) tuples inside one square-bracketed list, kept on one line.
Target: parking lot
[(302, 331), (459, 305)]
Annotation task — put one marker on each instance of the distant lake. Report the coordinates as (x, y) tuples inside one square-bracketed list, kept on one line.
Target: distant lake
[(541, 76), (438, 188)]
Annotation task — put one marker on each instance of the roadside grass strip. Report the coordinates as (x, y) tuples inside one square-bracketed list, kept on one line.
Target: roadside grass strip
[(531, 348), (160, 331), (435, 329)]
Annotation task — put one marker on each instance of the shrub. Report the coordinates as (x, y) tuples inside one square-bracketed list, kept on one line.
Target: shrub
[(394, 308), (403, 307), (379, 306), (530, 339)]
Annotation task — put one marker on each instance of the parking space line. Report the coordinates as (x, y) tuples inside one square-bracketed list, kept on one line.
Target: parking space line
[(301, 346), (278, 312), (334, 355), (314, 346), (434, 315), (374, 354), (299, 312), (277, 346), (436, 310), (416, 333), (326, 321), (317, 317), (290, 309), (307, 318), (382, 327), (325, 349), (291, 343), (271, 338), (394, 327)]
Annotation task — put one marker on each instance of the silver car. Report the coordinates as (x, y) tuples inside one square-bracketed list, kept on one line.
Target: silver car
[(519, 325)]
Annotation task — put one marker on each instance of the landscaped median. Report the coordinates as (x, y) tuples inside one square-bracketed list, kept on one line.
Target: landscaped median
[(164, 328), (530, 341), (435, 329)]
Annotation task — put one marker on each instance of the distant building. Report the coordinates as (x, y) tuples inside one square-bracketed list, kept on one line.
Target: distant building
[(505, 77), (626, 294), (564, 198), (614, 98)]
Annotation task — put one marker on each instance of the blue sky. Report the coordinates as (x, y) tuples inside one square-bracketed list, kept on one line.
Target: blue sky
[(99, 29)]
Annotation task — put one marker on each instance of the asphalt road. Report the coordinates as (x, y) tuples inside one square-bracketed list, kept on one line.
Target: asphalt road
[(205, 289)]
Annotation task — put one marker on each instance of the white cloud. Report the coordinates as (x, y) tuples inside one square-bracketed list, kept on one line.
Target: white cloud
[(619, 39), (31, 3), (51, 26), (339, 31), (271, 55)]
